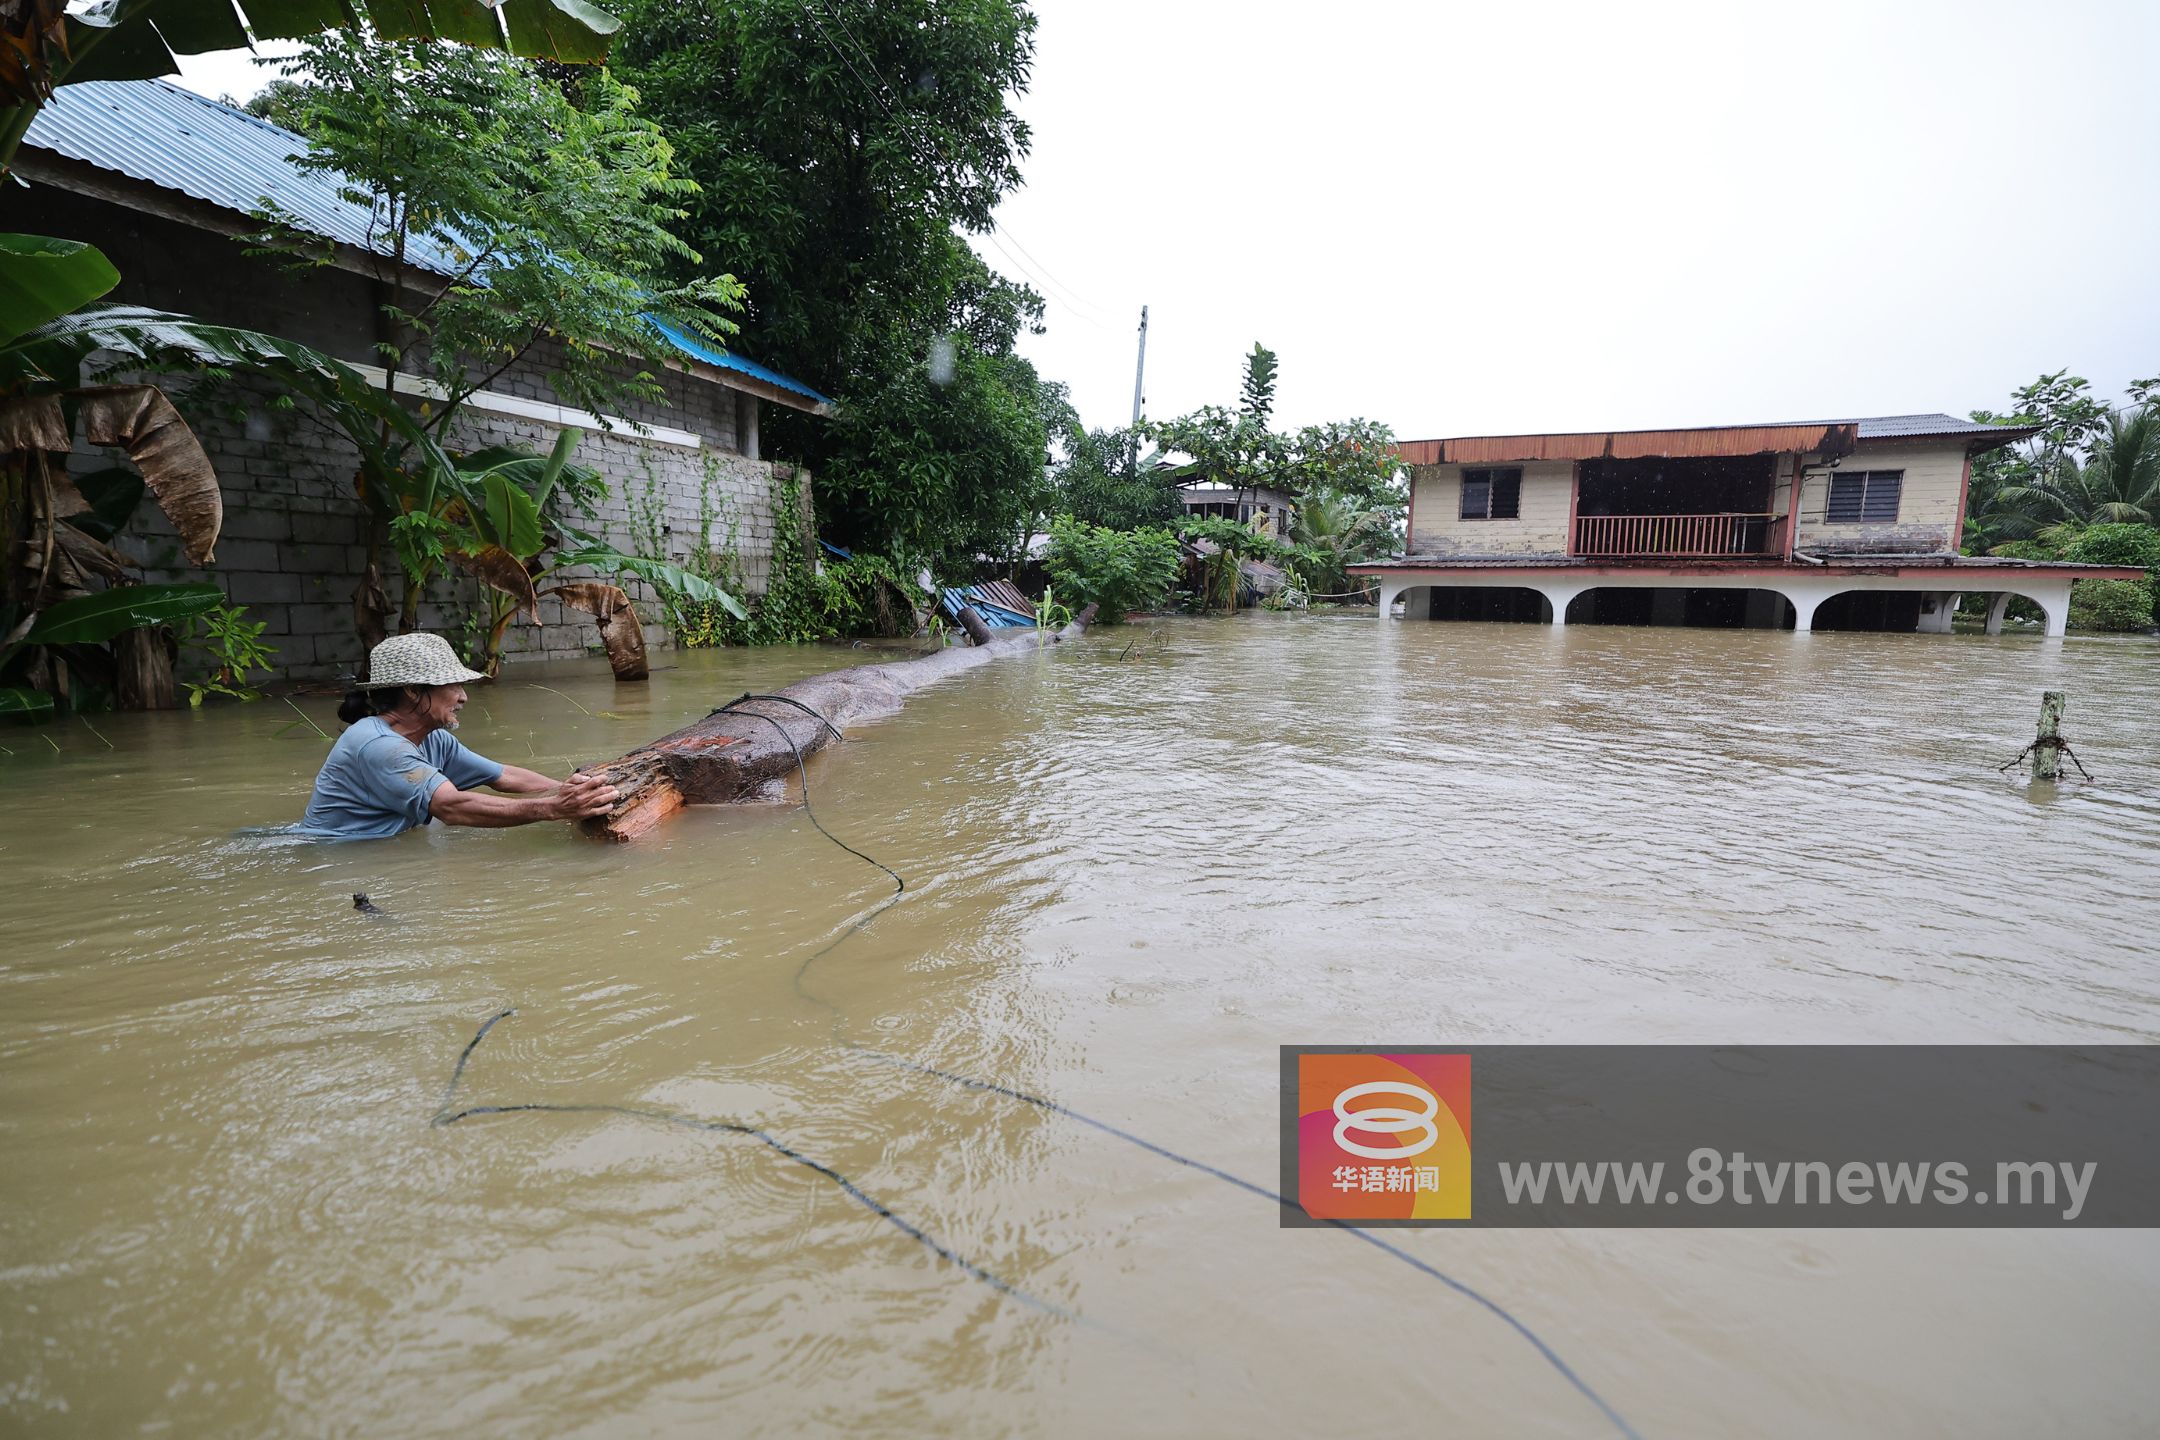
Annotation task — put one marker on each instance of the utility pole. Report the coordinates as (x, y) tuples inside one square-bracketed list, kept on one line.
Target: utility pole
[(1139, 370)]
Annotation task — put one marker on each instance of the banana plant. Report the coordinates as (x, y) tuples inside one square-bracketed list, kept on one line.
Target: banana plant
[(54, 527), (48, 43), (513, 545)]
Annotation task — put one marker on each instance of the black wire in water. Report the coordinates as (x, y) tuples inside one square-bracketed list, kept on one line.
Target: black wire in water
[(1551, 1356), (448, 1116), (729, 709), (802, 770)]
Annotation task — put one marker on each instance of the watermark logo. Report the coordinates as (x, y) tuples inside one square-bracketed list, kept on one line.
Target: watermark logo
[(1383, 1136)]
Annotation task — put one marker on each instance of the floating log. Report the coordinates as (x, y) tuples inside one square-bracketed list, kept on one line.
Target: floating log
[(729, 756)]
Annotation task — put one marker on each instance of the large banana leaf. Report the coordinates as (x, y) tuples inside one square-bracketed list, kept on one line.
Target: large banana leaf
[(509, 519), (94, 619), (114, 40), (498, 569), (16, 703), (617, 619), (140, 420), (55, 351), (42, 278), (136, 336), (536, 475), (610, 561)]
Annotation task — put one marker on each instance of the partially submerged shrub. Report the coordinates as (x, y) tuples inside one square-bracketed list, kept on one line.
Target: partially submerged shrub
[(2112, 605), (2116, 604), (1116, 570)]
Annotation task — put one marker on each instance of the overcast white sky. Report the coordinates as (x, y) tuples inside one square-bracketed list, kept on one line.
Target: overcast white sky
[(1483, 219)]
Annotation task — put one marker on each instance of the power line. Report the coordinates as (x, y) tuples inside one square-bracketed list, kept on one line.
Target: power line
[(860, 48), (1073, 296), (1077, 313), (845, 59)]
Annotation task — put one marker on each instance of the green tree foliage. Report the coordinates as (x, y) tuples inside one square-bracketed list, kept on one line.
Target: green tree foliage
[(840, 146), (1333, 533), (2116, 604), (2069, 417), (561, 216), (1119, 571), (1225, 447), (1256, 394), (1100, 481), (2085, 489), (2119, 605), (1353, 460), (2117, 482), (2115, 544), (943, 460)]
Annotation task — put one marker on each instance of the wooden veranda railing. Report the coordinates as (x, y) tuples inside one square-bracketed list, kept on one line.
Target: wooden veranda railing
[(1674, 535)]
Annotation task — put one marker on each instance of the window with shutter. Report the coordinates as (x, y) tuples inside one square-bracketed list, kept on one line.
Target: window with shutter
[(1492, 493), (1864, 497)]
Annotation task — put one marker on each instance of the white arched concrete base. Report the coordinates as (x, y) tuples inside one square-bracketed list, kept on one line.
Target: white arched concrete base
[(1937, 611), (2052, 596), (1806, 592)]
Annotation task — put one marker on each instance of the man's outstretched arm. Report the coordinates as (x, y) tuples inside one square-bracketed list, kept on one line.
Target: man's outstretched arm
[(517, 780), (574, 799)]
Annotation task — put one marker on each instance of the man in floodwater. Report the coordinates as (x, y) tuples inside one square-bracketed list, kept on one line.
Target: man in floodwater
[(398, 766)]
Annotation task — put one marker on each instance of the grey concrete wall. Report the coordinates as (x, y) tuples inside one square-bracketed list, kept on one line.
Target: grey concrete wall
[(292, 549)]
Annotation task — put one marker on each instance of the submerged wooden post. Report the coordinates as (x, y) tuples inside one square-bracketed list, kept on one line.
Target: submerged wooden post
[(2047, 746)]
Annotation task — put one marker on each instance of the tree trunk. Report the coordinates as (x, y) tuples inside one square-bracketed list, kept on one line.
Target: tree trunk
[(143, 663), (728, 757)]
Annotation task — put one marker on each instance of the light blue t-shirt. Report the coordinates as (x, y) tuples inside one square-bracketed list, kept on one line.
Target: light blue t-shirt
[(377, 783)]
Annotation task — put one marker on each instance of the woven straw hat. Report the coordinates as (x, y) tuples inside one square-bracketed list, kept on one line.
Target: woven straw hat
[(415, 660)]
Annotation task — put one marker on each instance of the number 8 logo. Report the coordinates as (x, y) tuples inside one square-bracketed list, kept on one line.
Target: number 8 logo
[(1387, 1120)]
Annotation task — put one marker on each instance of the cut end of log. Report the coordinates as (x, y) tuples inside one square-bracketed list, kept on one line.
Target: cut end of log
[(640, 815)]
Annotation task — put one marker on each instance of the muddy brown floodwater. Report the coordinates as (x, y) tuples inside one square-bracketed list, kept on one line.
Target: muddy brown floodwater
[(224, 1210)]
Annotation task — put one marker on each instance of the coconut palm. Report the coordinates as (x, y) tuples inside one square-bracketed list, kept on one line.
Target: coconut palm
[(2118, 483), (1332, 533)]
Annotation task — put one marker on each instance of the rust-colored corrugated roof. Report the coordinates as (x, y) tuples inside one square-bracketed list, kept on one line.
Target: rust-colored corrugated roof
[(1833, 437)]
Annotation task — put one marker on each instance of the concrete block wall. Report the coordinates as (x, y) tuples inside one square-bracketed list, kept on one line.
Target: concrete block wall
[(293, 545), (292, 549)]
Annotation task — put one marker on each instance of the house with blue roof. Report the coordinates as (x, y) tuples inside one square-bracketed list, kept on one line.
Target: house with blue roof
[(164, 181)]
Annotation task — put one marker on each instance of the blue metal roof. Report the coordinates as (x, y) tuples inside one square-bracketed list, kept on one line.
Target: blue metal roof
[(172, 138)]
